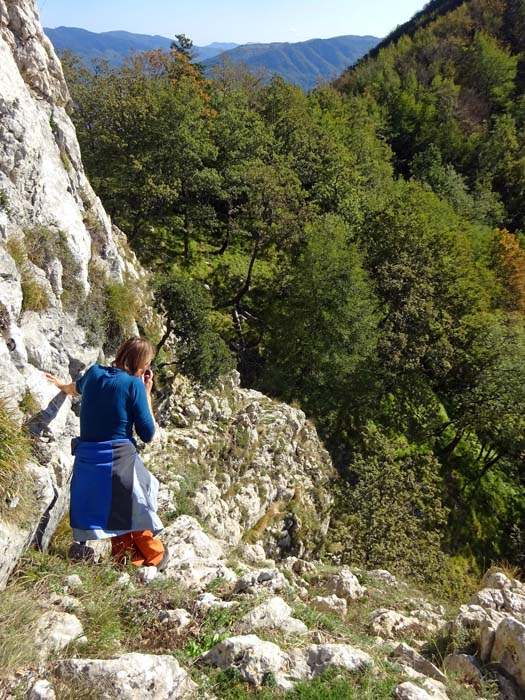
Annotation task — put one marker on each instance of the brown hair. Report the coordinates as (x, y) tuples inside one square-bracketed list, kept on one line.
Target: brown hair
[(133, 354)]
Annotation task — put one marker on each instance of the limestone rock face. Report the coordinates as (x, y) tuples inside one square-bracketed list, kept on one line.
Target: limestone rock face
[(51, 225), (264, 470), (133, 676), (195, 558)]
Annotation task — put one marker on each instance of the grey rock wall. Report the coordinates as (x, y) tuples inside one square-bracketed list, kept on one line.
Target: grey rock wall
[(43, 187)]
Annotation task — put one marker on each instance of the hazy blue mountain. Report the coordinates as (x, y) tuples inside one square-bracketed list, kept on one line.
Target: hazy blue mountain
[(115, 46), (304, 63)]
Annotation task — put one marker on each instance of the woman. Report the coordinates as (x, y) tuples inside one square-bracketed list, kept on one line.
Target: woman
[(112, 493)]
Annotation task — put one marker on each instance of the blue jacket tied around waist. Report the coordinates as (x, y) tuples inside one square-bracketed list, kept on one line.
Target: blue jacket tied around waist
[(112, 492)]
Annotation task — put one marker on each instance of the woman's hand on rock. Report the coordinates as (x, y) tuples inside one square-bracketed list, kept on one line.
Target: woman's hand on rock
[(55, 380)]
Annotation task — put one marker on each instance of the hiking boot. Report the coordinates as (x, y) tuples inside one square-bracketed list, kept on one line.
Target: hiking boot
[(79, 551)]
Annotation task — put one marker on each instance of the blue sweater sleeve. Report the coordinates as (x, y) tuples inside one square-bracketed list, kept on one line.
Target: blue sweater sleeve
[(142, 417), (80, 383)]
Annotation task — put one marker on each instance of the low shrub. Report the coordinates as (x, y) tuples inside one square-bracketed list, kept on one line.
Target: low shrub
[(34, 294), (44, 245), (109, 313)]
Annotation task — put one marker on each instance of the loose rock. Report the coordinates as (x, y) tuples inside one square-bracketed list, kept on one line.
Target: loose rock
[(273, 614), (410, 657), (344, 585), (330, 604), (41, 690), (261, 580), (133, 676), (55, 630), (464, 667)]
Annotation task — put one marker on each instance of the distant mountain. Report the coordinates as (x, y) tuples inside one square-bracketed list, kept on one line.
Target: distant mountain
[(304, 63), (115, 46)]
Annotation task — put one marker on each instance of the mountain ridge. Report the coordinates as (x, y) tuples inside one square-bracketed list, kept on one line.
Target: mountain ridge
[(115, 45), (304, 63)]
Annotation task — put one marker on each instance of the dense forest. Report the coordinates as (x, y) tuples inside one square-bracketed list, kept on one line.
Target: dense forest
[(357, 250)]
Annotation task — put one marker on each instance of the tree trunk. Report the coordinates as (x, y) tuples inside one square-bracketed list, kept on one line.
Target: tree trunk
[(246, 287)]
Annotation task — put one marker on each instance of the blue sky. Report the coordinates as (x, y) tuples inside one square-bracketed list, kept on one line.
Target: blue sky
[(238, 21)]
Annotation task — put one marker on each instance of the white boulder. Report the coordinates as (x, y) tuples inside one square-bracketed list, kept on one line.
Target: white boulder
[(55, 630), (133, 676), (273, 614)]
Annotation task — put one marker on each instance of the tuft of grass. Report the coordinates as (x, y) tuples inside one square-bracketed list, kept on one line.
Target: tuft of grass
[(34, 294), (66, 162), (275, 512), (15, 452), (96, 230), (19, 611), (79, 689), (193, 475), (43, 246), (17, 250), (4, 202), (4, 318), (122, 301), (504, 567), (110, 310), (29, 405)]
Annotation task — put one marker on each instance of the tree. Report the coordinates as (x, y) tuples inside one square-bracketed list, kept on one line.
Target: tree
[(390, 507), (322, 328), (509, 263), (201, 352), (491, 68), (145, 131)]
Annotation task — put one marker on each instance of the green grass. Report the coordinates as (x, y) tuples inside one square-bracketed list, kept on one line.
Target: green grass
[(43, 246), (19, 611), (110, 310), (15, 452), (29, 405), (334, 685), (34, 294)]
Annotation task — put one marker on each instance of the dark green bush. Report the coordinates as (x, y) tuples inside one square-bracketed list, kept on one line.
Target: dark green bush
[(201, 352), (390, 508)]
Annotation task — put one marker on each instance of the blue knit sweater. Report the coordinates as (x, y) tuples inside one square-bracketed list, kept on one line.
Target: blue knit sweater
[(113, 402)]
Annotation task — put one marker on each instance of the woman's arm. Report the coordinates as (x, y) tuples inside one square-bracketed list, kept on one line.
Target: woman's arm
[(143, 417), (70, 389)]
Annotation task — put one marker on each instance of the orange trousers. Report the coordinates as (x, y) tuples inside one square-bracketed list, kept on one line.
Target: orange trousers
[(139, 547)]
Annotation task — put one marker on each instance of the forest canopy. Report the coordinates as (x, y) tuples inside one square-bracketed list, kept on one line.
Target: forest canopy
[(357, 250)]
